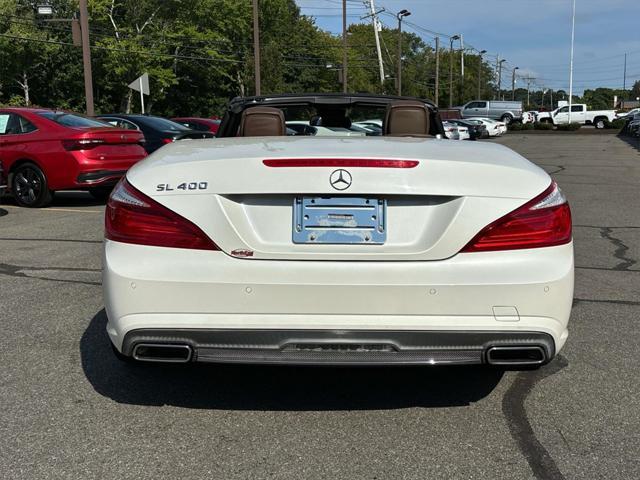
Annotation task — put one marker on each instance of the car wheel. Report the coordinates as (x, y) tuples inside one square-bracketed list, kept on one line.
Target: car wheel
[(599, 123), (29, 186), (506, 119), (100, 193)]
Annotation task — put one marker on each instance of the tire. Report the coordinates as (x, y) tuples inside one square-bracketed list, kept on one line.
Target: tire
[(100, 193), (507, 119), (29, 186), (599, 123)]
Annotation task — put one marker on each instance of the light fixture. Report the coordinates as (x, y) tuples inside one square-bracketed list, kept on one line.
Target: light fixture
[(45, 9)]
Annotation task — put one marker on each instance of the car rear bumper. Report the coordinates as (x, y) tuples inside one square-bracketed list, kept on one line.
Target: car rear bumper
[(100, 177), (338, 347), (449, 311)]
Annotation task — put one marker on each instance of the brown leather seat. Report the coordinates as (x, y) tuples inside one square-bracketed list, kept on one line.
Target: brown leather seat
[(262, 122), (407, 118)]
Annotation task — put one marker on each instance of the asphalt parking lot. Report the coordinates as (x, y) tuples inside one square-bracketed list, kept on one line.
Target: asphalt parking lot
[(69, 409)]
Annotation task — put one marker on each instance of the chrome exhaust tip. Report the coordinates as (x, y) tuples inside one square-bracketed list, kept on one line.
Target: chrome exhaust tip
[(516, 355), (162, 352)]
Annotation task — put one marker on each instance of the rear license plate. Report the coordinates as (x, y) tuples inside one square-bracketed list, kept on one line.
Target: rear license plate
[(339, 220)]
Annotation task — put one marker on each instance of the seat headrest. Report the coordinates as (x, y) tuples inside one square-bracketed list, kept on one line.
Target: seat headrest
[(262, 122), (407, 118)]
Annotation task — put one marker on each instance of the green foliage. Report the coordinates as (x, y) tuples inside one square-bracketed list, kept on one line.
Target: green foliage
[(528, 126), (199, 54), (543, 126), (515, 126), (617, 124), (569, 127), (601, 98)]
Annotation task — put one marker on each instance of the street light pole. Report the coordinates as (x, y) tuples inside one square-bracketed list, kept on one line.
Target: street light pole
[(401, 14), (513, 83), (256, 47), (344, 46), (451, 39), (86, 57), (573, 29), (437, 90), (482, 52)]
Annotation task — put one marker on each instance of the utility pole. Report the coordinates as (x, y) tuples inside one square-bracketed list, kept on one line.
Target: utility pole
[(401, 14), (500, 77), (482, 52), (256, 46), (86, 57), (451, 39), (529, 79), (375, 24), (344, 46), (624, 79), (437, 71), (495, 76), (461, 69), (513, 83)]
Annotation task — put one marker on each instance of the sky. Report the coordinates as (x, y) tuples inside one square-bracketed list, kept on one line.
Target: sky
[(534, 35)]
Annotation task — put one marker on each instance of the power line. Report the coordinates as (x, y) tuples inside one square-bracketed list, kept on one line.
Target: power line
[(123, 50)]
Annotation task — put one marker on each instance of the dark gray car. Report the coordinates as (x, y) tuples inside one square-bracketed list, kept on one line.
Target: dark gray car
[(505, 111)]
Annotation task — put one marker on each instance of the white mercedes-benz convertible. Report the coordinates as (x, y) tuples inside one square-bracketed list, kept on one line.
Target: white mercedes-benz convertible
[(403, 249)]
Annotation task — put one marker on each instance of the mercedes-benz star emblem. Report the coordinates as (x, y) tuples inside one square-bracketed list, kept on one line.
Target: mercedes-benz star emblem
[(340, 179)]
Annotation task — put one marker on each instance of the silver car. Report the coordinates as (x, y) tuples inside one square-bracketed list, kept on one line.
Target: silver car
[(504, 111)]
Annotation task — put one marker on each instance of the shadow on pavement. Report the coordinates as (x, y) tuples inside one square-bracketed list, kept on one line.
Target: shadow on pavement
[(236, 387), (64, 199), (631, 140)]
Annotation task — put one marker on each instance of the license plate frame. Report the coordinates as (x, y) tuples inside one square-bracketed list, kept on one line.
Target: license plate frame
[(341, 220)]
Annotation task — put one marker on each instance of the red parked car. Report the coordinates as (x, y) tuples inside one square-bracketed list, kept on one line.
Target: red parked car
[(42, 151), (202, 124)]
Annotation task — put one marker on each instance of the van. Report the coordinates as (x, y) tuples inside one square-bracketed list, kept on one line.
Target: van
[(505, 111)]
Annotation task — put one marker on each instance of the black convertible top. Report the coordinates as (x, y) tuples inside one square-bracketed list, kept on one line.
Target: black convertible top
[(236, 106)]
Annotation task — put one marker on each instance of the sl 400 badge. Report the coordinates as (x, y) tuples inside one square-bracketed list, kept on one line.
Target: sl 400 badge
[(166, 187)]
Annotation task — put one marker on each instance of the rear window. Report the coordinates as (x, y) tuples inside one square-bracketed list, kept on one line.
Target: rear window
[(161, 124), (72, 120)]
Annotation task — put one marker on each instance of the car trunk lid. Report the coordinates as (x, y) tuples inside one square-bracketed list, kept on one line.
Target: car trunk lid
[(108, 144), (251, 196)]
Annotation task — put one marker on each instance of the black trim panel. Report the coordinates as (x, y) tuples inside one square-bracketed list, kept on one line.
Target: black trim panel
[(339, 347), (101, 176)]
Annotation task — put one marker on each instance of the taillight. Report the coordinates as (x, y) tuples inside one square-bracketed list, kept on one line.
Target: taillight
[(82, 143), (544, 221), (168, 140), (132, 217)]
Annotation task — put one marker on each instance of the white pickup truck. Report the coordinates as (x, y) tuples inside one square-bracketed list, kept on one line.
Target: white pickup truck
[(579, 114)]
